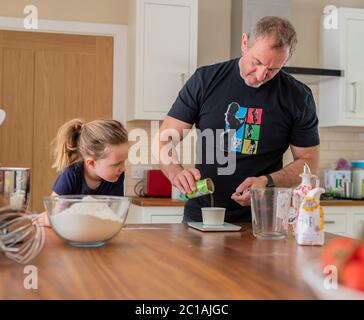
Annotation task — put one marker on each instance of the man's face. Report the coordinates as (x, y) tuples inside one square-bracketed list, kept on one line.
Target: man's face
[(260, 63)]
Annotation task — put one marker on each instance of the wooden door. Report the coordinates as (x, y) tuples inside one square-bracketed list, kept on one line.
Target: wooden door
[(46, 80)]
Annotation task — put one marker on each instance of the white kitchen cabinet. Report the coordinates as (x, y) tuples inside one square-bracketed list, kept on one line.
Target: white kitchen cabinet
[(358, 224), (162, 54), (145, 214), (336, 223), (344, 220), (341, 100)]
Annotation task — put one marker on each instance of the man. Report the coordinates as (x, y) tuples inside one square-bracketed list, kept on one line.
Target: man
[(281, 108)]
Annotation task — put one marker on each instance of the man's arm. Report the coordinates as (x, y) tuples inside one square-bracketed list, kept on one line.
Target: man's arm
[(171, 132), (286, 177), (289, 175)]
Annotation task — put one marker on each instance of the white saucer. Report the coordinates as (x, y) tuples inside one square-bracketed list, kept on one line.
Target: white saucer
[(225, 227)]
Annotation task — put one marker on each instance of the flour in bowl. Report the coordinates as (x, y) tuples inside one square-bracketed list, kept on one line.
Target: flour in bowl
[(86, 222)]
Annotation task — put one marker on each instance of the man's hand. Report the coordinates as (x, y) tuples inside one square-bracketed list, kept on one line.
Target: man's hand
[(242, 195), (185, 180)]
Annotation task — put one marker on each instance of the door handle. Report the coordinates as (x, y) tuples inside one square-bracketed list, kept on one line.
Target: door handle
[(355, 92), (329, 222)]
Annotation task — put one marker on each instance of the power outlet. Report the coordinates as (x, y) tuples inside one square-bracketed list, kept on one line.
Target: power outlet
[(138, 170), (361, 136)]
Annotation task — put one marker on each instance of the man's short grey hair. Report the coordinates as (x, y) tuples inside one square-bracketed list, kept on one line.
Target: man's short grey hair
[(280, 28)]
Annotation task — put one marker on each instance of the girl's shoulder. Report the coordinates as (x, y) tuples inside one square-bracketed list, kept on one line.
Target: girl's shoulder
[(68, 181), (75, 168)]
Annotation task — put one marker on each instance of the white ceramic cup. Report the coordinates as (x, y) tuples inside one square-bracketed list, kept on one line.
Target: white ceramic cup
[(213, 216)]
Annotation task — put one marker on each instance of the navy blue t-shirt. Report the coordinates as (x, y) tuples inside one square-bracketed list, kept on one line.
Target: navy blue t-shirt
[(72, 181), (255, 125)]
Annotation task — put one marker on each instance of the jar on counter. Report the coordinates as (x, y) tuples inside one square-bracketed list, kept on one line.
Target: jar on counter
[(357, 168)]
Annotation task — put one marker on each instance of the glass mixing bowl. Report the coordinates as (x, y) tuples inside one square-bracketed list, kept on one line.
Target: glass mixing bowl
[(87, 221)]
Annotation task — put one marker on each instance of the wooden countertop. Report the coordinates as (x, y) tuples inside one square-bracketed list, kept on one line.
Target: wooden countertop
[(342, 203), (157, 202), (167, 202), (166, 262)]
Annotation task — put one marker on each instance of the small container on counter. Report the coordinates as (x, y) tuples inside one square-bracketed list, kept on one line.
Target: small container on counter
[(310, 223), (299, 194), (357, 168)]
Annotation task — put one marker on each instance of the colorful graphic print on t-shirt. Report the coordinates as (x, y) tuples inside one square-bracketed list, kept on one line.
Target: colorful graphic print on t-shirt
[(246, 122)]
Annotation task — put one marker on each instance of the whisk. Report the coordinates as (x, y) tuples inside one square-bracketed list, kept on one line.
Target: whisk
[(21, 235)]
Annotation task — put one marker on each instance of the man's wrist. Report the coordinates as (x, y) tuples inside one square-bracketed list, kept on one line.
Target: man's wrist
[(264, 180), (269, 181)]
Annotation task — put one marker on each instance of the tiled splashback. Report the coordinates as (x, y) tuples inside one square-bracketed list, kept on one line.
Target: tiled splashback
[(340, 142)]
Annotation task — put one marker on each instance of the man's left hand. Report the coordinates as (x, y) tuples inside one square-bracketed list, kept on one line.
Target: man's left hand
[(242, 194)]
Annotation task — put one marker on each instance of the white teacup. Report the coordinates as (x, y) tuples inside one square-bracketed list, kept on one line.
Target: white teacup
[(213, 216)]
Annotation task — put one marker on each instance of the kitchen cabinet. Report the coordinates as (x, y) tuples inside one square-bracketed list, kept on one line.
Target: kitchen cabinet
[(162, 54), (155, 210), (341, 100), (358, 223), (344, 220), (138, 214)]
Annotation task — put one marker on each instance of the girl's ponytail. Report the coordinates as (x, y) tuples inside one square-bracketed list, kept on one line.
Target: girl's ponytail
[(66, 144)]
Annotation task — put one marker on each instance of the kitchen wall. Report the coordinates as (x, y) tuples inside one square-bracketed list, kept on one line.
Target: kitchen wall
[(213, 25), (105, 11), (306, 18)]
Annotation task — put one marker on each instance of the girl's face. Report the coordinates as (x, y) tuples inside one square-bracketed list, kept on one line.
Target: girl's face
[(113, 165)]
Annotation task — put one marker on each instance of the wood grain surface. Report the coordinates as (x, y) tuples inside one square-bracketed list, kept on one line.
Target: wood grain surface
[(166, 262), (342, 203), (157, 202)]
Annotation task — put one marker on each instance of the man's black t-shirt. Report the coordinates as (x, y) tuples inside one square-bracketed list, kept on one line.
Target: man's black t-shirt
[(256, 125)]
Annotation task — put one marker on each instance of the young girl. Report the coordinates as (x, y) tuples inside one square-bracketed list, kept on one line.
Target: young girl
[(91, 158)]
